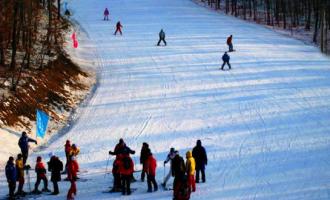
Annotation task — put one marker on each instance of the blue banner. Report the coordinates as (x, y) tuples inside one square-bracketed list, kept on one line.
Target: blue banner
[(42, 122)]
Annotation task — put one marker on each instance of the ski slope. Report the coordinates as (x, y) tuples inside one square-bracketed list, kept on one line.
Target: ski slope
[(264, 124)]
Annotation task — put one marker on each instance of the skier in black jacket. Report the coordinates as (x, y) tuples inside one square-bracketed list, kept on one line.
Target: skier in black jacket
[(178, 171), (143, 157), (55, 166), (200, 156)]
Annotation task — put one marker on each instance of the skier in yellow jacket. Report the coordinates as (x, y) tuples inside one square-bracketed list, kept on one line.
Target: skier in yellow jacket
[(190, 167)]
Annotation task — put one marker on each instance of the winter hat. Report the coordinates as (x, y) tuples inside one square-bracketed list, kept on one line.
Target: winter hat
[(39, 159), (23, 133), (74, 146), (172, 150), (145, 144)]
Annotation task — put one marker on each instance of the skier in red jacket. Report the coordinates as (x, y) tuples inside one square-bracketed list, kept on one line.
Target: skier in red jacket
[(126, 169), (73, 169), (106, 14), (150, 169), (230, 43), (118, 28), (41, 175)]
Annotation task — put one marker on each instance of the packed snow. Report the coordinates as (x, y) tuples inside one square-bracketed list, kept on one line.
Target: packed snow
[(264, 124)]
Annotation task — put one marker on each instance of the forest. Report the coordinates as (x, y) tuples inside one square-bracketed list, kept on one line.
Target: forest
[(30, 37), (312, 16)]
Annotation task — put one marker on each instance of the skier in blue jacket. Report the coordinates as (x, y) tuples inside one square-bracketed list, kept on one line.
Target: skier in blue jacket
[(11, 177), (225, 59), (23, 144)]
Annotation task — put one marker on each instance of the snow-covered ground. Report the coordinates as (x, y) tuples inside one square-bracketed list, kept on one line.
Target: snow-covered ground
[(265, 123)]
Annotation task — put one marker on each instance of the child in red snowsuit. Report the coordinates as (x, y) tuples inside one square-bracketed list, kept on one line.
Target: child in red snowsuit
[(41, 175), (106, 14), (73, 169), (118, 28), (116, 174), (126, 169)]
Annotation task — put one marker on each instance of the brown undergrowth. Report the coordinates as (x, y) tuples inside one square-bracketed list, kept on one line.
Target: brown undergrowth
[(49, 89)]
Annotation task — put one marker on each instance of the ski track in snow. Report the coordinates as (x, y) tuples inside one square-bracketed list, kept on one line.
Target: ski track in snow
[(264, 123)]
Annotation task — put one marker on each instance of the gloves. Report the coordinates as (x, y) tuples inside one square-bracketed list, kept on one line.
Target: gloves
[(110, 152)]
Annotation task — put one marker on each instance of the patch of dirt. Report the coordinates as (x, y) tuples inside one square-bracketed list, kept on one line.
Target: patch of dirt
[(49, 89)]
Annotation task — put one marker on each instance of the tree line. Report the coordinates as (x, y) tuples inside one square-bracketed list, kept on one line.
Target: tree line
[(30, 35), (310, 15)]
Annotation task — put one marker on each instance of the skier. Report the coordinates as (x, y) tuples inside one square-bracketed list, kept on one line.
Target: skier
[(225, 59), (116, 174), (200, 156), (126, 169), (143, 157), (230, 43), (11, 177), (55, 166), (161, 37), (169, 158), (41, 175), (23, 144), (20, 175), (120, 148), (106, 14), (118, 28), (190, 167), (67, 149), (73, 169), (178, 171), (150, 169)]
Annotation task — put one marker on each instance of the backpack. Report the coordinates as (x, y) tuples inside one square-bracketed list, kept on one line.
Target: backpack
[(127, 163)]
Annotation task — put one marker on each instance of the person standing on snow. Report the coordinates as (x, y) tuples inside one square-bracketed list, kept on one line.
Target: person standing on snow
[(106, 14), (178, 171), (23, 144), (73, 169), (161, 37), (169, 158), (116, 174), (126, 169), (20, 175), (230, 43), (150, 169), (200, 156), (11, 176), (118, 28), (41, 175), (190, 167), (55, 166), (67, 149), (143, 157), (225, 59)]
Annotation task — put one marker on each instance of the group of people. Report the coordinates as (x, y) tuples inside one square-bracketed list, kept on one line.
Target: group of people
[(119, 27), (183, 172), (15, 170)]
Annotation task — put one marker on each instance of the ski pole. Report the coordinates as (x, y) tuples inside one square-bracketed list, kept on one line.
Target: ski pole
[(28, 174), (106, 169)]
